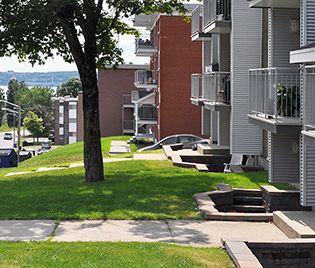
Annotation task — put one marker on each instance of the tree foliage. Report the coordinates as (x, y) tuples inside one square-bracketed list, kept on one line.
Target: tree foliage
[(34, 124), (83, 31), (70, 88)]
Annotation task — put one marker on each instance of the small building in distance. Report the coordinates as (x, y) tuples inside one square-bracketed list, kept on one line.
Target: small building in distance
[(65, 118), (115, 106)]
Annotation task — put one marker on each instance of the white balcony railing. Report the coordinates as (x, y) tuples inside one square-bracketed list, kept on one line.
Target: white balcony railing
[(216, 10), (147, 113), (275, 92), (144, 46), (217, 87), (196, 86), (145, 78), (309, 98), (196, 20), (212, 87)]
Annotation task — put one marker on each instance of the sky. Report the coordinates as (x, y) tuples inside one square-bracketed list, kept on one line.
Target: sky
[(127, 43)]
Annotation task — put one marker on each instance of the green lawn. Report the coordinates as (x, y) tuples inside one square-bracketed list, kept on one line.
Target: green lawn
[(52, 254), (132, 190), (65, 155)]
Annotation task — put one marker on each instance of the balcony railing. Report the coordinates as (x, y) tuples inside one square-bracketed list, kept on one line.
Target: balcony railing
[(126, 99), (196, 20), (144, 46), (145, 79), (217, 87), (309, 98), (275, 92), (128, 124), (216, 10), (147, 113), (196, 86)]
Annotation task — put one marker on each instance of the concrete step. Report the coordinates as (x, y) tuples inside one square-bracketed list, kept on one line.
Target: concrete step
[(294, 223), (249, 208), (248, 200), (247, 193)]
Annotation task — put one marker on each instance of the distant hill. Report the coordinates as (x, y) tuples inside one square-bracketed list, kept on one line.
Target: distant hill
[(49, 79)]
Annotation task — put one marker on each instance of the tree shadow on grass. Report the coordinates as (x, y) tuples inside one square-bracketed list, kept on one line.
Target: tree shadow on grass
[(129, 192)]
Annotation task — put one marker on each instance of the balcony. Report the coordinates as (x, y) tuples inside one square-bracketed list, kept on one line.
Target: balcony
[(217, 16), (275, 3), (213, 90), (196, 89), (197, 33), (145, 47), (274, 99), (147, 114), (216, 91), (145, 79), (142, 97), (309, 101), (128, 126), (126, 101)]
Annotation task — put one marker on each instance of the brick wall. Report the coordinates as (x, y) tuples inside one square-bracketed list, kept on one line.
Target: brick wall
[(179, 58), (112, 85)]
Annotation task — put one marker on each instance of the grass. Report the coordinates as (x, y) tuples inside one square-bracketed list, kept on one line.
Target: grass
[(52, 254), (132, 190), (65, 155)]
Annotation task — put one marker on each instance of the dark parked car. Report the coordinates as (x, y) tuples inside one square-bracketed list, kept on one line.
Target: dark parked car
[(185, 139), (7, 136), (27, 143)]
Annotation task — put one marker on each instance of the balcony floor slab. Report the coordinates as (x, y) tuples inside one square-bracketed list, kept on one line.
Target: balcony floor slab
[(218, 27), (281, 125), (275, 3)]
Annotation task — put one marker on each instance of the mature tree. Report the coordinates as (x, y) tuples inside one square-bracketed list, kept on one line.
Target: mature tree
[(83, 31), (15, 90), (34, 124), (70, 88), (38, 100)]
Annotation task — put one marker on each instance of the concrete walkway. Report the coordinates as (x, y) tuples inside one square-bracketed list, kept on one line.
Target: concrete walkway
[(193, 233), (151, 157)]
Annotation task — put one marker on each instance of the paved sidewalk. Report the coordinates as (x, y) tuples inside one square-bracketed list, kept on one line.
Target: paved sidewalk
[(26, 230), (193, 233)]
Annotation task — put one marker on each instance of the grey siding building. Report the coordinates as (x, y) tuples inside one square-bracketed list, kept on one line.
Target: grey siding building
[(305, 58), (275, 90), (231, 35)]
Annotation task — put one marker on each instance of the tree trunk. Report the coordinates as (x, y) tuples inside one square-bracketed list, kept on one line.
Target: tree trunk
[(93, 158)]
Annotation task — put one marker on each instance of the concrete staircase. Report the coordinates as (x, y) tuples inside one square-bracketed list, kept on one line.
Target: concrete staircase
[(295, 224), (248, 201)]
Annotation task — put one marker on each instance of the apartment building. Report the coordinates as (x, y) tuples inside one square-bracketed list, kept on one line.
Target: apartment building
[(116, 88), (275, 90), (65, 120), (283, 93), (305, 58), (230, 34), (162, 96)]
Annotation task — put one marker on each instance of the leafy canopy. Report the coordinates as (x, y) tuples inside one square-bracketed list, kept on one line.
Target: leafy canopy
[(70, 88), (36, 29), (34, 124)]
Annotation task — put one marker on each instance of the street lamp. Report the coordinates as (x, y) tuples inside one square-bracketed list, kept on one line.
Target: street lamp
[(16, 113)]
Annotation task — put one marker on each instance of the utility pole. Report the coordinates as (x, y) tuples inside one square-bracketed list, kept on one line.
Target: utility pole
[(19, 132)]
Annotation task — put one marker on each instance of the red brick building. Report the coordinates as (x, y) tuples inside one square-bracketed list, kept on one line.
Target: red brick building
[(115, 106), (173, 58)]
